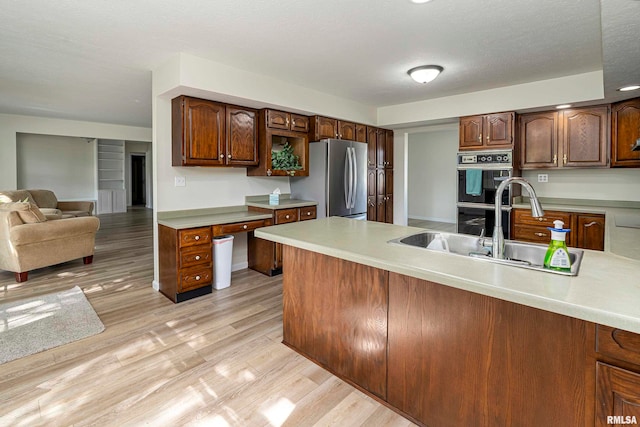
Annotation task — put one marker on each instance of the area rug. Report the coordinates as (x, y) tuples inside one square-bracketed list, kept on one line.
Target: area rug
[(36, 324)]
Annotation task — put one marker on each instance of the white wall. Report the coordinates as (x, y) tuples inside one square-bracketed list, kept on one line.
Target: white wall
[(11, 125), (431, 186), (591, 184), (65, 165)]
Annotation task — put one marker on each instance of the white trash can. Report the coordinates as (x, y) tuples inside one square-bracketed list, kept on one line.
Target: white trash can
[(222, 251)]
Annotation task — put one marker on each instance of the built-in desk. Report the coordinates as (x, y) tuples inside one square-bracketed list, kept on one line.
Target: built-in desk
[(185, 242)]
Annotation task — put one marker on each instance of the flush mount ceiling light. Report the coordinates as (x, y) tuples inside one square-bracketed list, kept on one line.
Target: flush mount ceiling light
[(420, 1), (628, 88), (560, 107), (425, 73)]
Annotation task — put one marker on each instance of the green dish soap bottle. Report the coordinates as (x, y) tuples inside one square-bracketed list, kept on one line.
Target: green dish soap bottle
[(557, 256)]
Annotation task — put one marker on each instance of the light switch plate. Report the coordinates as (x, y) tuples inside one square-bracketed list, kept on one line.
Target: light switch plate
[(543, 177), (180, 181)]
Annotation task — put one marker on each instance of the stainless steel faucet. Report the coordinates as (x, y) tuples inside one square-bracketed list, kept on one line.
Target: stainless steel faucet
[(536, 212)]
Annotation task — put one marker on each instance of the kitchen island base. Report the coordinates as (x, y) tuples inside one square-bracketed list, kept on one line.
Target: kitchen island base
[(438, 355)]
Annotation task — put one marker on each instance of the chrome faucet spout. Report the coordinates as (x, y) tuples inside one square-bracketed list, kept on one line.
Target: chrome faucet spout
[(536, 212)]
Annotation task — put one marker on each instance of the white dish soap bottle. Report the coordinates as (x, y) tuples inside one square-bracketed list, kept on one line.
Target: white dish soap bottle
[(557, 256)]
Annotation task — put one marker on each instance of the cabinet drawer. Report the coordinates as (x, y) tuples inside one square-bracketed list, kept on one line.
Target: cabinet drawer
[(618, 344), (308, 212), (523, 216), (239, 227), (197, 255), (284, 216), (195, 277), (195, 236), (531, 234)]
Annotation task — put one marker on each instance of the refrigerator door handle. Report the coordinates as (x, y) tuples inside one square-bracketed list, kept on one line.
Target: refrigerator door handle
[(354, 168), (347, 181), (351, 176)]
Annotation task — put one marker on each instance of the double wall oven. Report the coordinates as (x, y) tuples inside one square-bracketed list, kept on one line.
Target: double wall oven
[(479, 175)]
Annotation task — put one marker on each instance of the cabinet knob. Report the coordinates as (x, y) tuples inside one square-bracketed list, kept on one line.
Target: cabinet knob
[(480, 138), (244, 226), (564, 158), (293, 123), (197, 277), (309, 213), (292, 173), (197, 238), (541, 218), (197, 257), (221, 156), (555, 158), (287, 216), (488, 138), (287, 122), (228, 156)]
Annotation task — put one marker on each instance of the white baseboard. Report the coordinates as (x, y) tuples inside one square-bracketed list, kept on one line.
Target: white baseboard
[(430, 218), (155, 285), (240, 266)]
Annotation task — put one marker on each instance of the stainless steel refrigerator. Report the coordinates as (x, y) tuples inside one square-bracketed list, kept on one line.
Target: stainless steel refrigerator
[(337, 178)]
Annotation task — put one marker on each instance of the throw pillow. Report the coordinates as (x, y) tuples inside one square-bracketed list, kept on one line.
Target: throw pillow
[(28, 212)]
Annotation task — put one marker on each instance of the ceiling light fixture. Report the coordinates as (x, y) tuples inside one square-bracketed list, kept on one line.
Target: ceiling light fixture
[(560, 107), (425, 73), (420, 1), (628, 88)]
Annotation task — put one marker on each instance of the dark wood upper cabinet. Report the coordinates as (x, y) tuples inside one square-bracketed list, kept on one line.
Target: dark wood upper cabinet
[(361, 133), (242, 136), (346, 130), (323, 128), (287, 121), (198, 132), (299, 123), (388, 149), (488, 131), (563, 139), (625, 131), (539, 140), (372, 143), (208, 133)]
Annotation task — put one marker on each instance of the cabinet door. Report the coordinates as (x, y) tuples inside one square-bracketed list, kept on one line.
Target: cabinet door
[(381, 142), (388, 149), (204, 133), (539, 140), (590, 232), (617, 396), (242, 136), (326, 128), (585, 135), (372, 141), (381, 194), (347, 130), (361, 133), (625, 131), (471, 132), (299, 123), (372, 204), (277, 119), (498, 130)]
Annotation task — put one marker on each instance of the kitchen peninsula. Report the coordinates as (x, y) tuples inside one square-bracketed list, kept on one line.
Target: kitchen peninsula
[(447, 340)]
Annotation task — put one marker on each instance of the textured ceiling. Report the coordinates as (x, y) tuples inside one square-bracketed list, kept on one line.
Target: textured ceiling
[(92, 60)]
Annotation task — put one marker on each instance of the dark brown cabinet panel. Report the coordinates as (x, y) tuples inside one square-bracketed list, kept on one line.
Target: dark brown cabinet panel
[(198, 132), (361, 133), (618, 344), (372, 144), (456, 358), (577, 137), (618, 396), (242, 136), (346, 130), (487, 131), (207, 133), (380, 175), (590, 231), (337, 316), (299, 123), (625, 131), (539, 140), (286, 121), (323, 128)]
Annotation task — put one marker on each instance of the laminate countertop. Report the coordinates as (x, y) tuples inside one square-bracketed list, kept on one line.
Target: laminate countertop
[(622, 221), (606, 291)]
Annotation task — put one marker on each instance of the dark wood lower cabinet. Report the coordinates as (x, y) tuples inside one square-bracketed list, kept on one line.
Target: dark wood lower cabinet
[(618, 396)]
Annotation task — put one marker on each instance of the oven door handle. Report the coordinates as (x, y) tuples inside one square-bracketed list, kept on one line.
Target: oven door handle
[(484, 206)]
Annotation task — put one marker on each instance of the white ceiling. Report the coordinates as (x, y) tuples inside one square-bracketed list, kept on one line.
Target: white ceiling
[(92, 59)]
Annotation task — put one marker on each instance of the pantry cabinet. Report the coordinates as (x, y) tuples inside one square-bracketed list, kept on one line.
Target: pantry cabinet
[(380, 175), (208, 133), (489, 131), (564, 139), (625, 131)]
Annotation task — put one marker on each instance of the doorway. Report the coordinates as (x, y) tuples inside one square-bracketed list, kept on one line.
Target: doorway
[(138, 174)]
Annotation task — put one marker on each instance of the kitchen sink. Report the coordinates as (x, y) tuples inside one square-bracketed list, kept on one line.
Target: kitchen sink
[(517, 254)]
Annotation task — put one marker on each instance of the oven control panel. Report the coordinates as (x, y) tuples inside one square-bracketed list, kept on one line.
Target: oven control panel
[(486, 158)]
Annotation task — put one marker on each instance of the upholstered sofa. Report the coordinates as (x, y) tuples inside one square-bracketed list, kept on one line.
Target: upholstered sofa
[(28, 240), (48, 203)]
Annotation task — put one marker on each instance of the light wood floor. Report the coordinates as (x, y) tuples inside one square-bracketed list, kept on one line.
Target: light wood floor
[(213, 361)]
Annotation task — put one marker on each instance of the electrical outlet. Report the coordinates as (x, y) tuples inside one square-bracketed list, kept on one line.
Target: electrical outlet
[(543, 177), (180, 181)]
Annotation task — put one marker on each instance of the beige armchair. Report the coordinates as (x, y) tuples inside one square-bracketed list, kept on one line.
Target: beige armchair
[(29, 241), (48, 203)]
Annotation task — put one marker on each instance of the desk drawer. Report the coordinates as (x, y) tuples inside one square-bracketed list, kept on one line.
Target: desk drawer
[(308, 212), (196, 255), (531, 234), (195, 277), (284, 216), (239, 227), (194, 236)]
